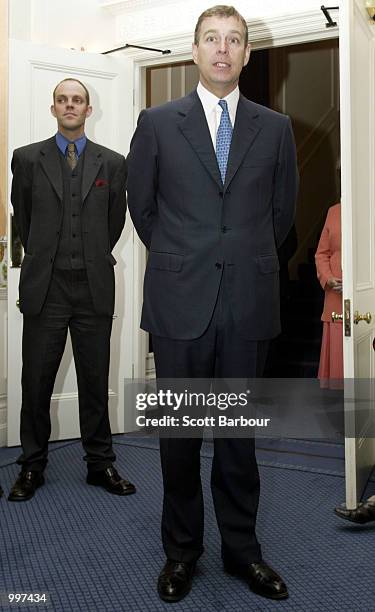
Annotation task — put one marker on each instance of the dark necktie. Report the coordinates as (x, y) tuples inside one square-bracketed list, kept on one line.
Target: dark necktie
[(223, 140), (71, 156)]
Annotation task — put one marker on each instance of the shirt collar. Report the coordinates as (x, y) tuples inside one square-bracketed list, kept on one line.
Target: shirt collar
[(210, 101), (63, 142)]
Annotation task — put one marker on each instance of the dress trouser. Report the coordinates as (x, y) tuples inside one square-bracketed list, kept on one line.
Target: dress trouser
[(68, 305), (221, 352)]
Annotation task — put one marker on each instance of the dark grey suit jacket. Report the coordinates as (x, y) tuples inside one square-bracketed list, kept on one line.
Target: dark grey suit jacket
[(37, 192), (192, 223)]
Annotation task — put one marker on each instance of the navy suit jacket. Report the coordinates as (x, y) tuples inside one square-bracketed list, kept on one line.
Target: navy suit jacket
[(37, 198), (192, 224)]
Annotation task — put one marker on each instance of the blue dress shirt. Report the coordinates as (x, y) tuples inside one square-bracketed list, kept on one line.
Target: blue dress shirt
[(63, 142)]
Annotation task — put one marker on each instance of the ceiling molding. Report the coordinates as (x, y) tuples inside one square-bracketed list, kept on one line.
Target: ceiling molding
[(270, 32)]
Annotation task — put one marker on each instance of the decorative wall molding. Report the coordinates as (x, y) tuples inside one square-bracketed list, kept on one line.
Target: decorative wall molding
[(272, 31), (73, 396), (245, 7), (42, 65)]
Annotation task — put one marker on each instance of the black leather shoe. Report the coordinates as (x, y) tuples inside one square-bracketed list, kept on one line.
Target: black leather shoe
[(365, 513), (175, 580), (111, 481), (261, 578), (26, 485)]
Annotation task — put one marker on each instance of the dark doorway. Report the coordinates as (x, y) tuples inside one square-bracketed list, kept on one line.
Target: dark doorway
[(301, 81)]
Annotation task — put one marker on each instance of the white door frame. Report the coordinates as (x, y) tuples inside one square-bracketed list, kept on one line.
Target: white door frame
[(270, 32)]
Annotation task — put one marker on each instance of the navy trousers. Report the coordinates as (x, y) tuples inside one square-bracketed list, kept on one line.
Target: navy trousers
[(221, 352)]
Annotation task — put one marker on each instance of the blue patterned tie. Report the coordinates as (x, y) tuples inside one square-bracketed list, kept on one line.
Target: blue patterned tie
[(223, 139)]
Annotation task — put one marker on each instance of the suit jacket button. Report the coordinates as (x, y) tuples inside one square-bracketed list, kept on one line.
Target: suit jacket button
[(218, 265)]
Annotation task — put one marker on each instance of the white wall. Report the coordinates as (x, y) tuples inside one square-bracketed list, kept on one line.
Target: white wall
[(63, 23)]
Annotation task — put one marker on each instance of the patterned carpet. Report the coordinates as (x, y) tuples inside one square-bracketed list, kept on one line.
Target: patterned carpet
[(89, 550)]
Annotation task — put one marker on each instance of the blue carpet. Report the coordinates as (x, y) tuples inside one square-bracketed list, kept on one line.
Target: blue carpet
[(89, 550)]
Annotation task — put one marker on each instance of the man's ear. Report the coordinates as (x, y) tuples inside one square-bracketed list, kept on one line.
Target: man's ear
[(88, 111), (195, 53), (247, 54), (53, 112)]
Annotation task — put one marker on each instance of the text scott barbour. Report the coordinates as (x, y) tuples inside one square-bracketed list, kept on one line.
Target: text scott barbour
[(208, 421)]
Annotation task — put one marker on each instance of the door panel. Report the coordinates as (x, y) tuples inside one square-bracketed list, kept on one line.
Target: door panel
[(357, 74)]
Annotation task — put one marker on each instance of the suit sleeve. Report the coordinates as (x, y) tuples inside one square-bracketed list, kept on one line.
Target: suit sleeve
[(142, 182), (286, 184), (117, 203), (21, 197), (323, 255)]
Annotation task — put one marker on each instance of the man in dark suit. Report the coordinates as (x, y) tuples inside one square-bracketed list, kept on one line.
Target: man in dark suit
[(69, 202), (211, 190)]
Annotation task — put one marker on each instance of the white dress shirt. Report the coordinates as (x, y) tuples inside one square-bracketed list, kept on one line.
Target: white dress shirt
[(213, 110)]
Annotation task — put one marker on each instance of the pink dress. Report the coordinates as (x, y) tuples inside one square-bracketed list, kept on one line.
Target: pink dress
[(328, 265)]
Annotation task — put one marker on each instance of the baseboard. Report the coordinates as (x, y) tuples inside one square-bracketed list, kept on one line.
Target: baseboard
[(3, 420)]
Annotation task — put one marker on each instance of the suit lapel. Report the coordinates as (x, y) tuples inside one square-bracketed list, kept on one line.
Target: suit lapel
[(246, 128), (195, 129), (50, 161), (92, 165)]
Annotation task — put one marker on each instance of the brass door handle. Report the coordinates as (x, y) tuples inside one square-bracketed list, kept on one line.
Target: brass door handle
[(358, 317), (18, 304), (336, 317)]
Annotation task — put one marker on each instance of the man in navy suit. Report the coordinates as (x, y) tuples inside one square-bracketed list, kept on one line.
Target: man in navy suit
[(212, 187)]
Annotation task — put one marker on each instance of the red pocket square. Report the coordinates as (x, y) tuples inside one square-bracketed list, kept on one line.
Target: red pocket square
[(101, 183)]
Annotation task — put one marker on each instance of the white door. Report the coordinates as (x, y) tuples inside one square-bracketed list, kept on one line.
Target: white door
[(34, 72), (357, 92)]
